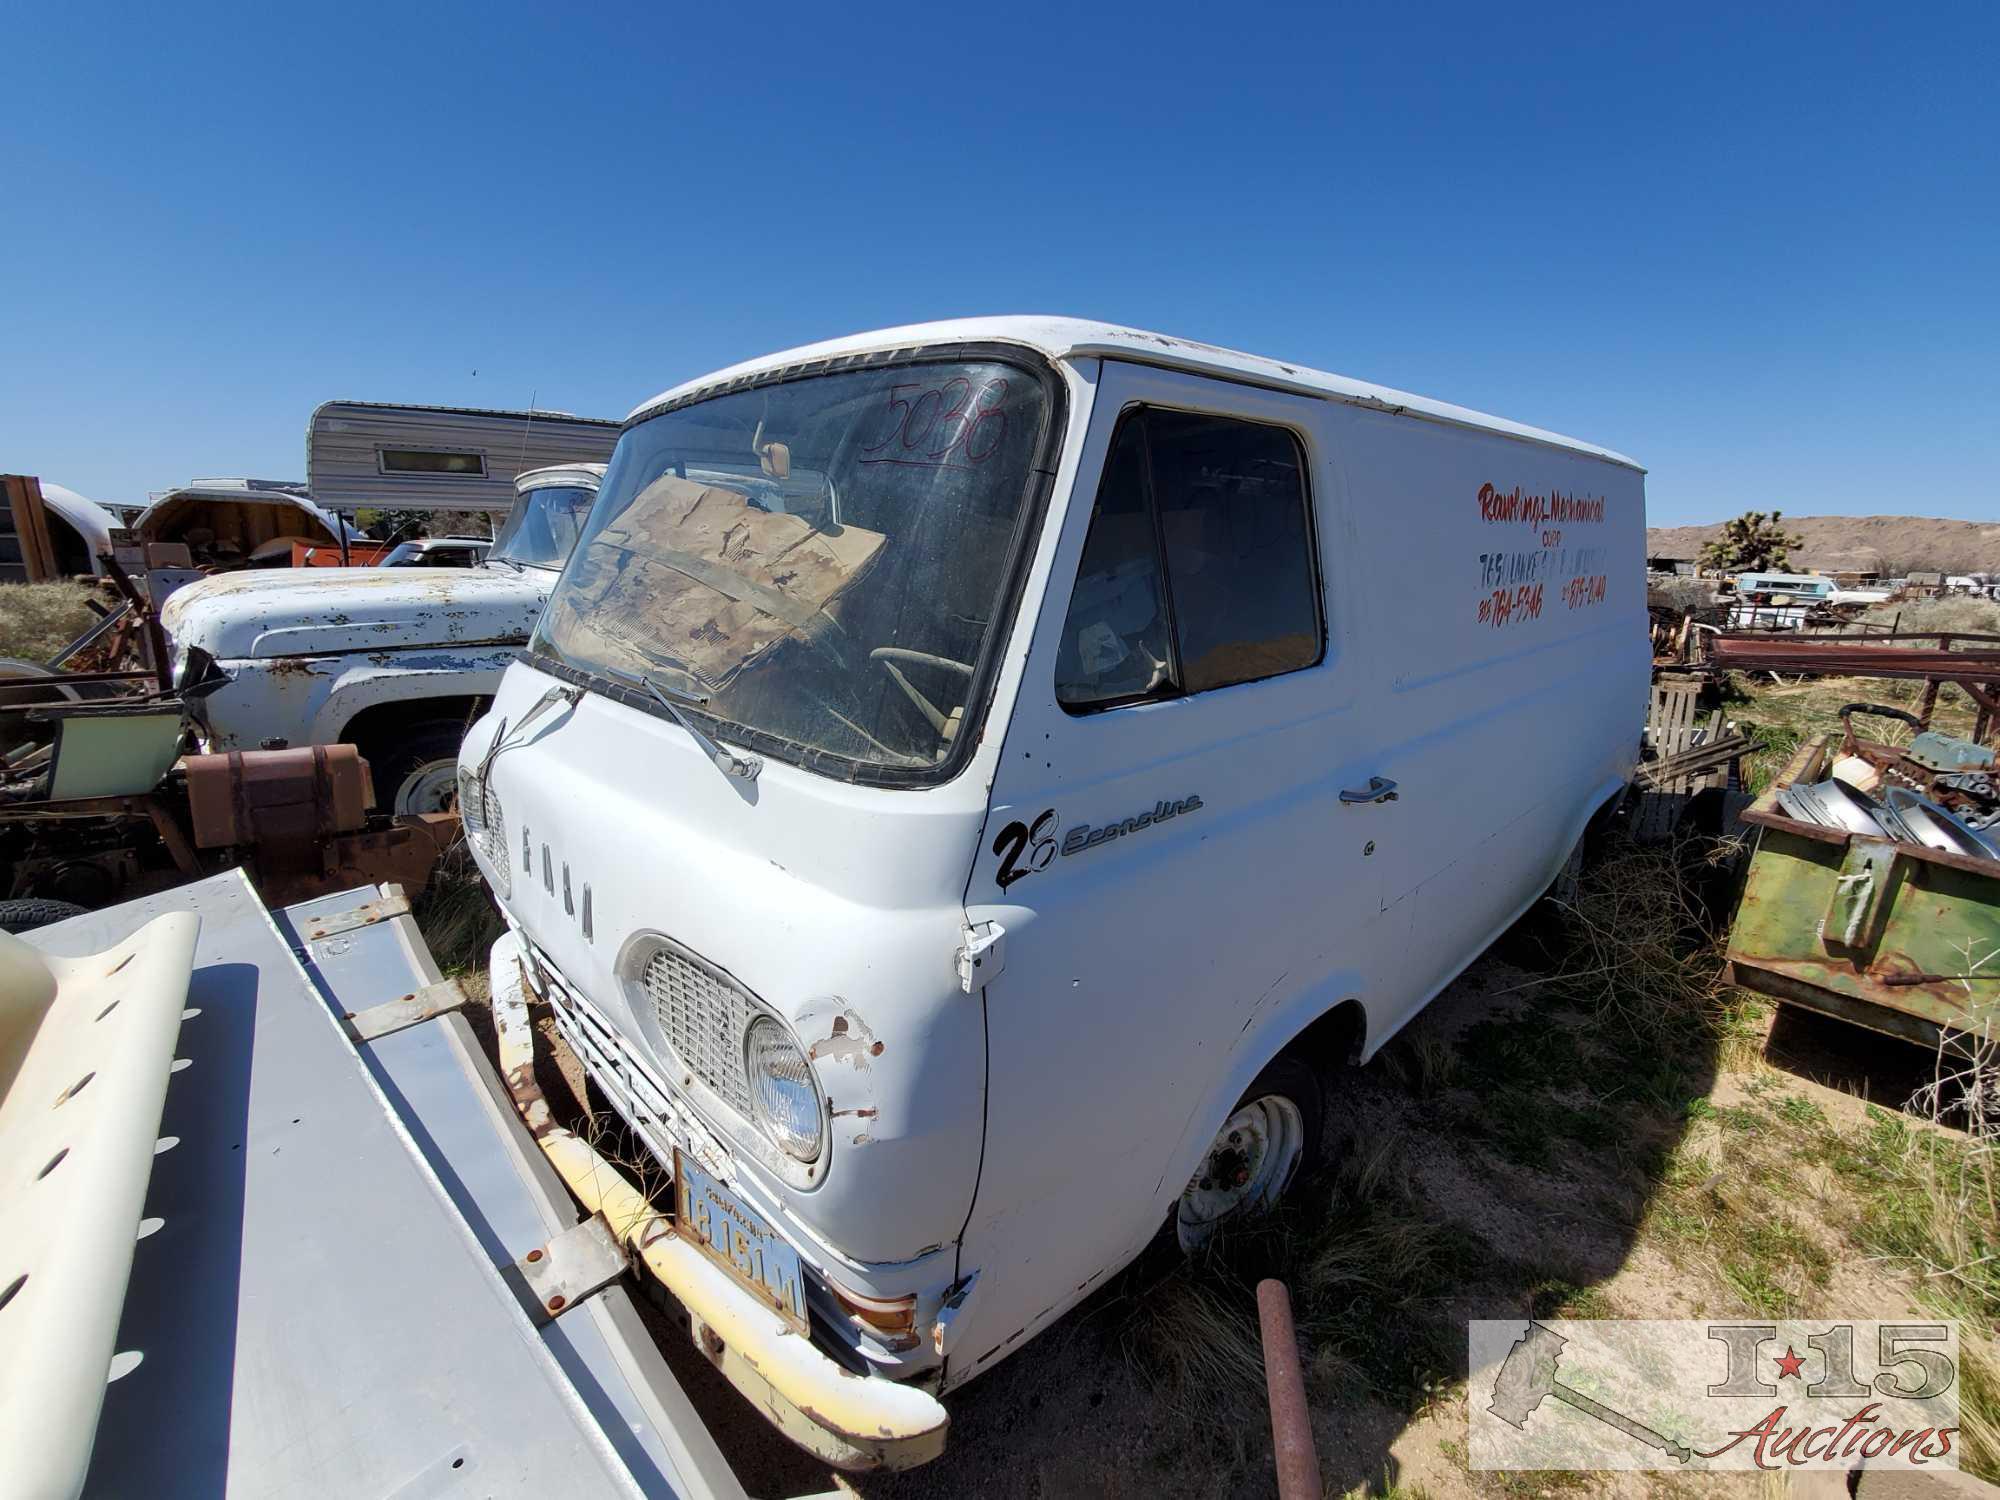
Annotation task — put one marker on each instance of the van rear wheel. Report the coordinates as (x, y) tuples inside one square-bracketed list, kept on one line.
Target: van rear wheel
[(1274, 1133)]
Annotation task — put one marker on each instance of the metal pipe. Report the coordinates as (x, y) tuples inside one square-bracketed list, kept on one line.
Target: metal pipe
[(148, 617), (1291, 1423)]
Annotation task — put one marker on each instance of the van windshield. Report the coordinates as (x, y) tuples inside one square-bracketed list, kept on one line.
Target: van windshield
[(820, 560), (543, 525)]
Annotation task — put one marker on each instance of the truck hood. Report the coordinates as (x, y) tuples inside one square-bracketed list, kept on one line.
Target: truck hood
[(322, 612)]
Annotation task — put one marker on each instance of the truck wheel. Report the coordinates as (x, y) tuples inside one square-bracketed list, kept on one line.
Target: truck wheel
[(27, 915), (1272, 1135), (418, 772)]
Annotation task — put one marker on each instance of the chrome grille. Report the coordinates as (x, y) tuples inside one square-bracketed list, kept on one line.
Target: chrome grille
[(704, 1017), (480, 810)]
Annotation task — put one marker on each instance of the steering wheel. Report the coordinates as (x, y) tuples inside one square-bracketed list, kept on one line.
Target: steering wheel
[(888, 656)]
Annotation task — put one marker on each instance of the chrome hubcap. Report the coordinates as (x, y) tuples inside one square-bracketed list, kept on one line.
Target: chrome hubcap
[(1246, 1170)]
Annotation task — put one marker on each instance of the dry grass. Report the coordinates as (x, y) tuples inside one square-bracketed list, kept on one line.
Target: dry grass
[(1936, 1215), (1595, 1084), (1783, 717), (38, 619), (1955, 613), (457, 916), (1637, 955), (1606, 1042)]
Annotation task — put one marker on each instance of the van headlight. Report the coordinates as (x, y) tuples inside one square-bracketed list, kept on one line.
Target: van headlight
[(783, 1096)]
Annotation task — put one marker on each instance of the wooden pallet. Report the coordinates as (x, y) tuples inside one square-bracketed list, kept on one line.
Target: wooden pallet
[(1677, 727)]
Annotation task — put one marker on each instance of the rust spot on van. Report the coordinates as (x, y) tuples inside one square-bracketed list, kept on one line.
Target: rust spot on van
[(849, 1040)]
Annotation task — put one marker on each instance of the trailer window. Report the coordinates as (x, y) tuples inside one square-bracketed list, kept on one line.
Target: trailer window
[(1197, 571), (432, 461)]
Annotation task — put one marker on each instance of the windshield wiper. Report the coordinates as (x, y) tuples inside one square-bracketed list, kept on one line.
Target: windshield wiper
[(727, 761)]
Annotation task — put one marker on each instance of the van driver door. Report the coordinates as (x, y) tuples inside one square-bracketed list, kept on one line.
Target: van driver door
[(1167, 849)]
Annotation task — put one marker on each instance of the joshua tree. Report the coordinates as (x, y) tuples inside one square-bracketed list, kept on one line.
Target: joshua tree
[(1752, 543)]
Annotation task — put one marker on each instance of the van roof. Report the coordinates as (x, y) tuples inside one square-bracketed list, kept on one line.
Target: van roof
[(1079, 338)]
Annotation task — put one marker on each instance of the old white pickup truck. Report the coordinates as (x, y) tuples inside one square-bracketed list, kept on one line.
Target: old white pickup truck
[(395, 660)]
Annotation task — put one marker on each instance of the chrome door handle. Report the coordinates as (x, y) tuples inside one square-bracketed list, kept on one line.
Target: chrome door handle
[(1379, 789)]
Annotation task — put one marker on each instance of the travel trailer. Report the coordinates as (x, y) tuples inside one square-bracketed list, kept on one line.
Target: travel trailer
[(375, 455), (363, 455), (394, 660), (975, 784)]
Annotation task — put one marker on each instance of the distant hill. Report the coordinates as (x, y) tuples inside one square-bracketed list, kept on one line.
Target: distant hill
[(1837, 542)]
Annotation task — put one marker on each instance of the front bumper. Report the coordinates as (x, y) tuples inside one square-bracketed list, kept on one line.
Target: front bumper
[(852, 1421)]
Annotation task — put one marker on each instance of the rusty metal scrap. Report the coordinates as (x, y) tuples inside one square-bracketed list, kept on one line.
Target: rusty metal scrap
[(1838, 657), (1291, 1421), (1891, 936), (276, 796)]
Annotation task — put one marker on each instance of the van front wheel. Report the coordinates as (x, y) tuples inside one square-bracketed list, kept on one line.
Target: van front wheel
[(1272, 1135)]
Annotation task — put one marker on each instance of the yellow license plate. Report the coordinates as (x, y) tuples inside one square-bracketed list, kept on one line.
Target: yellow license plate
[(739, 1241)]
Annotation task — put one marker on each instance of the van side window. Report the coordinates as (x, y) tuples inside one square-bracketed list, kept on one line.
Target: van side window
[(1197, 572), (1115, 642)]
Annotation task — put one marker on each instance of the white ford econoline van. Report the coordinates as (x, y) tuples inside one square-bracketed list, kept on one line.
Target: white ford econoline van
[(972, 780)]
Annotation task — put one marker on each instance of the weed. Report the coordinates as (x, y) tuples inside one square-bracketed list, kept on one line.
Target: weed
[(1739, 1021), (1559, 1299), (1389, 1489), (457, 917), (1771, 1264), (1784, 717), (1963, 615), (1532, 1484), (1796, 1109), (1518, 1050), (1196, 1346), (1638, 967), (1741, 1118), (1423, 1062)]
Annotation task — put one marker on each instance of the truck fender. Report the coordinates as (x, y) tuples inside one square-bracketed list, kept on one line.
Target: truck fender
[(408, 676)]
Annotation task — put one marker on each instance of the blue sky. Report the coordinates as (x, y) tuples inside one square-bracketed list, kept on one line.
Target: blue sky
[(1755, 247)]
